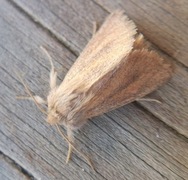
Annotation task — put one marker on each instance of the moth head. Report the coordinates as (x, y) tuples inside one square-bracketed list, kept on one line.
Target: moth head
[(60, 107), (54, 116), (64, 108)]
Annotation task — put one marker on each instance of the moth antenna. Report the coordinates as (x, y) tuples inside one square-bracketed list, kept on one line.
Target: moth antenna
[(37, 98), (94, 28), (30, 94), (79, 152), (71, 139), (53, 73), (69, 153)]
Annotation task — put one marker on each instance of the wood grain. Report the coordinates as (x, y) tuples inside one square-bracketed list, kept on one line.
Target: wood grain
[(132, 142), (9, 170), (163, 23), (76, 13)]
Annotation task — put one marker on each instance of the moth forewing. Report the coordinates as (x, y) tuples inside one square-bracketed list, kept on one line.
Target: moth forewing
[(138, 75), (103, 54), (108, 46)]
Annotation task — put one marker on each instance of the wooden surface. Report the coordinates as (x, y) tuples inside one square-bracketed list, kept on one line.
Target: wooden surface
[(9, 169), (142, 140)]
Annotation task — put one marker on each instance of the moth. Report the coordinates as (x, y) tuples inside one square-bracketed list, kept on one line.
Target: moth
[(115, 68)]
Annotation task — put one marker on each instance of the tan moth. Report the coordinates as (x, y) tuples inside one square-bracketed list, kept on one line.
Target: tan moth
[(115, 68)]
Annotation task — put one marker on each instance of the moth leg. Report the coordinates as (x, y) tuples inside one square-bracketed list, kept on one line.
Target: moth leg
[(53, 73), (53, 76), (35, 98), (38, 99), (94, 28), (71, 139), (69, 153), (150, 100)]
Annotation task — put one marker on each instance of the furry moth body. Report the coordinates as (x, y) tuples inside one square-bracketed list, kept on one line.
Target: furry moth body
[(114, 69)]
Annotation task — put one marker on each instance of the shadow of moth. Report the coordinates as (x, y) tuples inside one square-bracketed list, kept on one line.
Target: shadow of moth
[(115, 68)]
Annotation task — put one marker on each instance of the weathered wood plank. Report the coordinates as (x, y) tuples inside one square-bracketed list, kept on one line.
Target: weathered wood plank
[(160, 22), (123, 149), (74, 18), (66, 23), (8, 170), (20, 41), (127, 143)]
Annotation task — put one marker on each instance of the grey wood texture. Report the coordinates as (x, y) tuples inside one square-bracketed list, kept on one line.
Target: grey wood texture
[(9, 170), (71, 22), (143, 140), (163, 23)]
